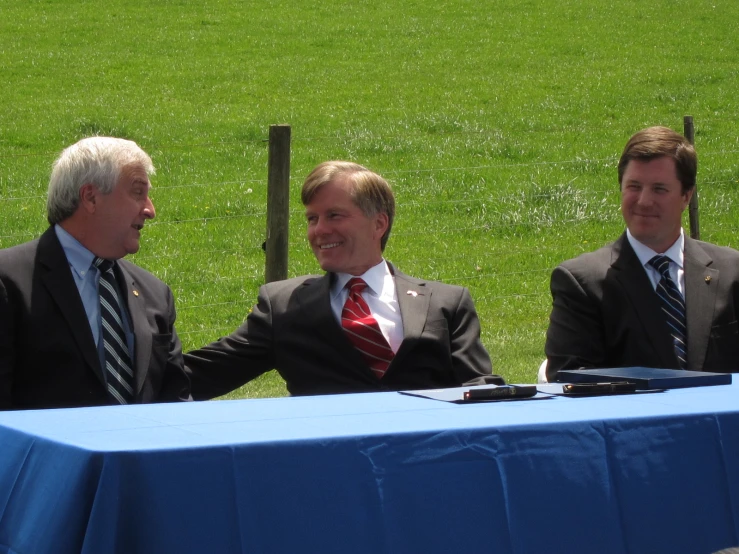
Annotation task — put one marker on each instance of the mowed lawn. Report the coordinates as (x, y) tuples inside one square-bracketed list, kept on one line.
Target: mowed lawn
[(498, 124)]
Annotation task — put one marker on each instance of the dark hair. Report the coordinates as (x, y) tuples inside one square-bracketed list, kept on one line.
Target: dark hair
[(656, 142)]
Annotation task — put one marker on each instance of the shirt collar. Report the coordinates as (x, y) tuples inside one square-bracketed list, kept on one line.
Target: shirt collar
[(676, 252), (376, 278), (79, 257)]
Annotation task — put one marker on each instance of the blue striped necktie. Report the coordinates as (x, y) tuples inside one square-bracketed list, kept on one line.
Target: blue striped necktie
[(118, 366), (673, 307)]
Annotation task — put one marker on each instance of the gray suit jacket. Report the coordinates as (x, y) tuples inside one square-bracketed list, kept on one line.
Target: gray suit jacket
[(605, 312), (292, 329), (48, 357)]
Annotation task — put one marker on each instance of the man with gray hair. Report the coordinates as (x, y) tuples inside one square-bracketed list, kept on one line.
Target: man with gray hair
[(79, 326)]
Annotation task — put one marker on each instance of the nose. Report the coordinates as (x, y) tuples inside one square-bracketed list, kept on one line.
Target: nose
[(645, 198), (148, 211)]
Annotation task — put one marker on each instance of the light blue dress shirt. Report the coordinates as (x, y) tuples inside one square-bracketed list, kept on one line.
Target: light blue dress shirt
[(87, 278)]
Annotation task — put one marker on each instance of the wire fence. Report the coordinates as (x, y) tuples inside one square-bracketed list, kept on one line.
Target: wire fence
[(540, 212)]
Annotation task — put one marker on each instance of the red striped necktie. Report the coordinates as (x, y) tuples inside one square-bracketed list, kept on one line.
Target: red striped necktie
[(363, 331)]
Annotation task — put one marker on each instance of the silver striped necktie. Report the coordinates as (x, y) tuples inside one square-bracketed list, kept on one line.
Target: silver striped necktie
[(673, 307), (118, 366)]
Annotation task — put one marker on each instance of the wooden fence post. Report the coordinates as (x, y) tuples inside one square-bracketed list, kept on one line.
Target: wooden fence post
[(278, 203), (689, 132)]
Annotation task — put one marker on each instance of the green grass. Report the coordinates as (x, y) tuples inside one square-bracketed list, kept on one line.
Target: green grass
[(498, 124)]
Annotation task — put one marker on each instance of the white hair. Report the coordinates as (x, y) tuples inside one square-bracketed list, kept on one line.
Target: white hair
[(94, 160)]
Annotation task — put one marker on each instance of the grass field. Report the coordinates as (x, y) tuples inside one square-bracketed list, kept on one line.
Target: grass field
[(498, 124)]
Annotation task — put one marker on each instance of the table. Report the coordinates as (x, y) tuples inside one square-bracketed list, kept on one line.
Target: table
[(376, 473)]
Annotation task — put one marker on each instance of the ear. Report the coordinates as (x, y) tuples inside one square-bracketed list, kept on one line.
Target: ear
[(688, 195), (88, 197), (381, 223)]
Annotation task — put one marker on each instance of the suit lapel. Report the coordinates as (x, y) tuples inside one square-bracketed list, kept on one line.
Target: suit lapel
[(413, 300), (635, 283), (315, 309), (59, 282), (701, 286), (314, 300), (136, 305)]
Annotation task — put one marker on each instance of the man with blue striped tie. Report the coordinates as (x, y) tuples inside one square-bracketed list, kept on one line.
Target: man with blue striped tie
[(80, 326), (655, 297)]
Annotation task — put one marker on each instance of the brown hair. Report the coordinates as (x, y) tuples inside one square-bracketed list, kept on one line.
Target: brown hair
[(369, 192), (656, 142)]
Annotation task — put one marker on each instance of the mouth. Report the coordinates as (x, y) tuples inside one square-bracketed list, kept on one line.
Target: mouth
[(137, 226), (329, 245)]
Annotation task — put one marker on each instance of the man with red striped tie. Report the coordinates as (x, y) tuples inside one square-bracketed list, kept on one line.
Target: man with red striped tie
[(363, 326)]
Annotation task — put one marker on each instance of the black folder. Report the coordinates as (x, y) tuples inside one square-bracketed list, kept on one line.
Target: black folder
[(646, 378)]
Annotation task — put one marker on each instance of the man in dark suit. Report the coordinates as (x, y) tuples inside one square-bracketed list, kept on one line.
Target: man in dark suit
[(329, 334), (616, 307), (79, 326)]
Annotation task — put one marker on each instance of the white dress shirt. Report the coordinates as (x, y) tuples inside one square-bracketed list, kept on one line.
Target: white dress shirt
[(381, 298), (674, 252)]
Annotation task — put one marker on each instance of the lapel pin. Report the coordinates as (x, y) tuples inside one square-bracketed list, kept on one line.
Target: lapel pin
[(135, 292), (412, 293), (708, 278)]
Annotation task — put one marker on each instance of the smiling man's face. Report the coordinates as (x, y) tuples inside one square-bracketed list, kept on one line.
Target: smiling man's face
[(652, 202), (343, 238)]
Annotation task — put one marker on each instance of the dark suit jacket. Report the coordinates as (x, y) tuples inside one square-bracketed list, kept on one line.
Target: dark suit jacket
[(292, 329), (605, 312), (48, 357)]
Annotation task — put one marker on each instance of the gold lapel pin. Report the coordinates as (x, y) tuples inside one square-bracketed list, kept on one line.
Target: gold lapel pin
[(708, 279), (412, 293), (135, 292)]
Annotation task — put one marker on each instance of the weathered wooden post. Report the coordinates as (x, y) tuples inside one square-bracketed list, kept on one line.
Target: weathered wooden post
[(689, 132), (278, 202)]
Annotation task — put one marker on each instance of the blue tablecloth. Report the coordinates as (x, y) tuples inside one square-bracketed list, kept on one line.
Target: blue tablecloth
[(376, 473)]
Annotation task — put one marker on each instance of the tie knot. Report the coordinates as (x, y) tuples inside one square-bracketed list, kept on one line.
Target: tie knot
[(661, 264), (102, 264), (356, 285)]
